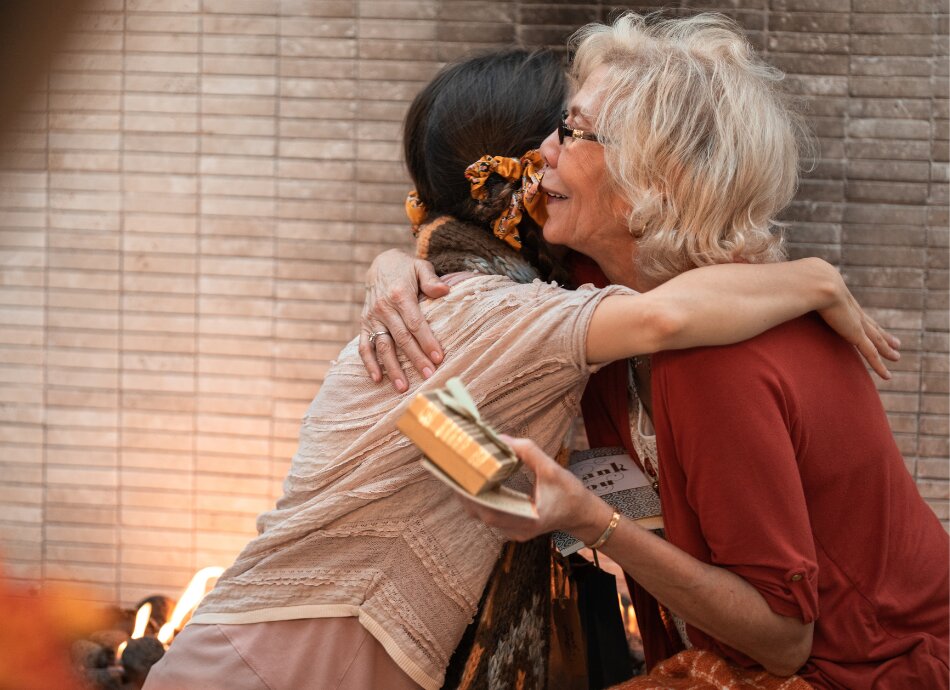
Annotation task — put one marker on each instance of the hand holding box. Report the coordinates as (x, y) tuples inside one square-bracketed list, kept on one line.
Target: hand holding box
[(448, 428)]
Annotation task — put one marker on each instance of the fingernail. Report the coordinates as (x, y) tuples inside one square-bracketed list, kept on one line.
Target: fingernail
[(436, 357), (377, 378), (427, 372), (400, 385)]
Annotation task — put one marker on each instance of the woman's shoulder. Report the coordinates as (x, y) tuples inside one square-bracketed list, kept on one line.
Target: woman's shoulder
[(473, 288), (497, 287)]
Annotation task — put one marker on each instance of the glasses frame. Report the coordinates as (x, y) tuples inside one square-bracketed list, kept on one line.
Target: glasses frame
[(565, 130)]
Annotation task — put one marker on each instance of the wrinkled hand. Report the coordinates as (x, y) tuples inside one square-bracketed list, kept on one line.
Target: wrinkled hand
[(561, 501), (851, 322), (393, 283)]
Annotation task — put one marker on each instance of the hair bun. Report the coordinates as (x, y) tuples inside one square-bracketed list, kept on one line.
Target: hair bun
[(497, 196)]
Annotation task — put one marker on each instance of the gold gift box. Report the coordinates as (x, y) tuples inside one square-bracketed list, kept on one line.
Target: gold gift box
[(446, 426)]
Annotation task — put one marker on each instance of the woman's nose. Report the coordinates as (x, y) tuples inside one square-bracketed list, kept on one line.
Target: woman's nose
[(551, 149)]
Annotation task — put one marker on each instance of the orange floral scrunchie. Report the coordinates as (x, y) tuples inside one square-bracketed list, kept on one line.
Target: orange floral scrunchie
[(529, 169), (416, 210)]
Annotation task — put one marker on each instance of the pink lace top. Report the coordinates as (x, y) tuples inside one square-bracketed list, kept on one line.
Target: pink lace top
[(362, 529)]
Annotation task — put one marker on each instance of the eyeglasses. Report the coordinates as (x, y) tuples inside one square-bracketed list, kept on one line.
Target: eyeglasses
[(565, 130)]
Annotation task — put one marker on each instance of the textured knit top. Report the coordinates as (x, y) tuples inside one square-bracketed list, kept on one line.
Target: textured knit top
[(362, 529)]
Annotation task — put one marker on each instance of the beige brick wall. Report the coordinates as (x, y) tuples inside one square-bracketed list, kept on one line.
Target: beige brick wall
[(189, 202)]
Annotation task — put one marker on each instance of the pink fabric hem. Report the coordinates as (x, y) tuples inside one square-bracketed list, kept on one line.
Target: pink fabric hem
[(324, 653)]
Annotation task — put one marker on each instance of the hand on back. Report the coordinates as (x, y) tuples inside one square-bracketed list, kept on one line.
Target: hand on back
[(391, 311)]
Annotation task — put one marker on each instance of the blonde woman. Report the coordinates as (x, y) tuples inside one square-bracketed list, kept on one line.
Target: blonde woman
[(798, 544)]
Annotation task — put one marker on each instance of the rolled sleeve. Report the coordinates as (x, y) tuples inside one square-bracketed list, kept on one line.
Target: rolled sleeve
[(730, 482), (792, 593)]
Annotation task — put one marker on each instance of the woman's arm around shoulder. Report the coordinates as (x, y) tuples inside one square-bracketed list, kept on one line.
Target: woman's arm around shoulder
[(391, 312), (728, 303)]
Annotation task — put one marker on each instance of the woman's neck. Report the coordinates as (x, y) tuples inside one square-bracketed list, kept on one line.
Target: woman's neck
[(617, 258)]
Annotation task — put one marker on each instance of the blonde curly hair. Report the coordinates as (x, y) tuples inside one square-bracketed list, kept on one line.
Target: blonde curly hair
[(699, 140)]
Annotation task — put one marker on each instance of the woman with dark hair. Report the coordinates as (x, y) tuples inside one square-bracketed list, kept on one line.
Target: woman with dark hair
[(366, 574)]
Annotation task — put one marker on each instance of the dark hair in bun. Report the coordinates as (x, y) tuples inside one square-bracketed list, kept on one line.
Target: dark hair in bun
[(501, 103)]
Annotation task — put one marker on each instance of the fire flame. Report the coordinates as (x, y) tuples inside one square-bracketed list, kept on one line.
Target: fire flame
[(141, 620), (629, 616), (631, 621), (142, 617), (187, 602)]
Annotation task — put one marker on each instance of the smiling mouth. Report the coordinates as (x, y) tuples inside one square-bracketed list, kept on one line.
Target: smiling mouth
[(553, 195)]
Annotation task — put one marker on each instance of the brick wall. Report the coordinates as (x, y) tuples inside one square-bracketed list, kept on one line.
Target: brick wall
[(189, 201)]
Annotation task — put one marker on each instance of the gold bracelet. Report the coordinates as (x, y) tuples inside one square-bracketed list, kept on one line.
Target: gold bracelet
[(611, 526)]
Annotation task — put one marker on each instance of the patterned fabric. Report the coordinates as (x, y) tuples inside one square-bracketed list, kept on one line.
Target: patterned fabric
[(510, 636), (700, 670), (527, 629), (532, 173), (416, 210), (529, 169), (478, 172), (642, 432)]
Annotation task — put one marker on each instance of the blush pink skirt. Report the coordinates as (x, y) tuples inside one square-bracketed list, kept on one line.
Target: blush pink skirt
[(318, 653)]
